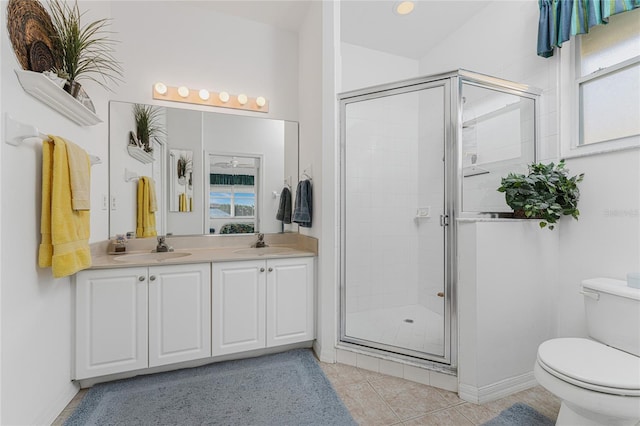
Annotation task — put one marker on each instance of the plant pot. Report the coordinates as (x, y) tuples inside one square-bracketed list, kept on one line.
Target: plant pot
[(519, 214), (72, 88)]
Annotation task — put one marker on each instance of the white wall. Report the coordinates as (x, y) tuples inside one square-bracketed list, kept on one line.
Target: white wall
[(605, 241), (318, 49), (501, 41), (176, 42), (363, 67), (505, 309), (187, 43), (36, 309)]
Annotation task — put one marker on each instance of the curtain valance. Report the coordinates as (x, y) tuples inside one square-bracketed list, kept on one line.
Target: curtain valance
[(222, 179), (561, 19)]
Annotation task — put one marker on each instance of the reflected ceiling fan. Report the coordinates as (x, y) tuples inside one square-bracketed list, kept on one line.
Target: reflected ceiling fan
[(234, 163)]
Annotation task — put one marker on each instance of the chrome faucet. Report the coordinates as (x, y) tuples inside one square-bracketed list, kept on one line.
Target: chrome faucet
[(260, 243), (162, 246)]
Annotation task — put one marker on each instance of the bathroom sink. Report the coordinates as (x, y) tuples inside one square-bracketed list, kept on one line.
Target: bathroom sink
[(254, 251), (149, 257)]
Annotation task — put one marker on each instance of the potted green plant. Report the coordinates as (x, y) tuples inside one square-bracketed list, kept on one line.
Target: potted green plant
[(148, 126), (546, 192), (87, 50)]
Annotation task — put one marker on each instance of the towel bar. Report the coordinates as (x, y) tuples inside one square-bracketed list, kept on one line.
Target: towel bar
[(16, 132)]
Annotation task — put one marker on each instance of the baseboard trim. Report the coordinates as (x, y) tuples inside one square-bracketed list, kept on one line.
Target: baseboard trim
[(48, 415), (496, 390), (90, 381), (328, 356)]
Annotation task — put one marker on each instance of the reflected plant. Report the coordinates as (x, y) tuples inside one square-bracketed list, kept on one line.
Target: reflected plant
[(148, 126), (183, 165)]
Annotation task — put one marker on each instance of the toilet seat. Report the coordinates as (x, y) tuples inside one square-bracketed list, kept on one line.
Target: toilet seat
[(591, 365)]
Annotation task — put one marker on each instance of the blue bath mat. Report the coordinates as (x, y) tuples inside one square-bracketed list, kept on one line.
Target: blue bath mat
[(520, 415), (282, 389)]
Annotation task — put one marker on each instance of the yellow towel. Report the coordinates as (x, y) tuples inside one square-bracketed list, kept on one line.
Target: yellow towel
[(145, 218), (79, 171), (65, 232), (153, 202)]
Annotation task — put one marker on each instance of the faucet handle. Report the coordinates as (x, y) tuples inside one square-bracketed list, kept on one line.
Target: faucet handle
[(260, 237), (161, 239)]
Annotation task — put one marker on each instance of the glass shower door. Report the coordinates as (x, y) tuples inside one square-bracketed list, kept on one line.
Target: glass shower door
[(394, 223)]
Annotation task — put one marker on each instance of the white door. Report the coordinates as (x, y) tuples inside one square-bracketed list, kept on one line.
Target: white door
[(111, 321), (290, 292), (238, 306), (179, 313)]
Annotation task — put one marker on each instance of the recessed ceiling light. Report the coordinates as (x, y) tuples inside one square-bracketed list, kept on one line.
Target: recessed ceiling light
[(403, 7)]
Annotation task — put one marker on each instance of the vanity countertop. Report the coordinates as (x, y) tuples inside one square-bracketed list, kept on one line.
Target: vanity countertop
[(197, 255), (140, 252)]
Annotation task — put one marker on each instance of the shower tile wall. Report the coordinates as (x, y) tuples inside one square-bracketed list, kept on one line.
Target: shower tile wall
[(431, 177), (381, 197)]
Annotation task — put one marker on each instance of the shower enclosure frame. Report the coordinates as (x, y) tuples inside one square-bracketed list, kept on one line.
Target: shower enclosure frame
[(453, 177)]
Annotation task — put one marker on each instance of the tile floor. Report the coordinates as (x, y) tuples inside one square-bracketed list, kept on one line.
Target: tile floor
[(377, 399)]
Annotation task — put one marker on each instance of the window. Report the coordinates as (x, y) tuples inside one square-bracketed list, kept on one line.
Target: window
[(606, 86), (227, 201)]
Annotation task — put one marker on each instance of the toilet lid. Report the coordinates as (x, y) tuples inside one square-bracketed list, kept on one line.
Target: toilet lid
[(591, 365)]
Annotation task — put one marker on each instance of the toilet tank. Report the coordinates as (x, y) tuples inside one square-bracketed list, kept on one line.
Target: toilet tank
[(613, 313)]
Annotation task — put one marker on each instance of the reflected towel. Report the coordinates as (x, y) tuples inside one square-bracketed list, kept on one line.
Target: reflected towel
[(284, 210), (145, 218), (65, 231), (79, 171), (303, 210)]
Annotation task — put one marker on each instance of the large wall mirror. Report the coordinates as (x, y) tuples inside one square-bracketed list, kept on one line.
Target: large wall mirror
[(211, 173)]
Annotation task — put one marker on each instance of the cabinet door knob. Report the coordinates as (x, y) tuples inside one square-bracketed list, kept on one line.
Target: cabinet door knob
[(270, 269), (141, 278), (152, 278), (261, 269)]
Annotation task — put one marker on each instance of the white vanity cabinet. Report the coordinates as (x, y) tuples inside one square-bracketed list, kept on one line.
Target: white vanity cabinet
[(179, 313), (135, 318), (111, 321), (261, 303)]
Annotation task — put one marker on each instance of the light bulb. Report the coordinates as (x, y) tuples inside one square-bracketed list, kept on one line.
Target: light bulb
[(183, 91), (161, 88), (204, 94), (242, 99), (260, 101), (224, 97), (404, 8)]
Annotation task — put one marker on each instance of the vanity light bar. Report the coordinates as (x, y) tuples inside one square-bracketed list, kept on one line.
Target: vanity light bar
[(204, 97)]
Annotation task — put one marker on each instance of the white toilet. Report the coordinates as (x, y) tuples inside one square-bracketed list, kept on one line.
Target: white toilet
[(597, 380)]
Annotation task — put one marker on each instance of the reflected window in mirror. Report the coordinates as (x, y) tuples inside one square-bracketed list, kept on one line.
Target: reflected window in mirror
[(233, 190)]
